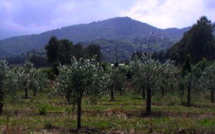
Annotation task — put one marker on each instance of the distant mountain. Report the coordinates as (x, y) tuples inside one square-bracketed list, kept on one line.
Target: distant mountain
[(120, 28), (175, 33)]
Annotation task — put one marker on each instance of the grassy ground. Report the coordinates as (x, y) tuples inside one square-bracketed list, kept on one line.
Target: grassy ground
[(125, 115)]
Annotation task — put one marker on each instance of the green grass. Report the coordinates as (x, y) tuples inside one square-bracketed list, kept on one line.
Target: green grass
[(126, 114)]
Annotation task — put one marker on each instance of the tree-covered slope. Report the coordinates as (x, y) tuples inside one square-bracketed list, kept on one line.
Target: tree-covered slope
[(124, 49), (121, 28)]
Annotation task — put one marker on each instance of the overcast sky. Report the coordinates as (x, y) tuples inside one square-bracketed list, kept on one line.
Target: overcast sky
[(19, 17)]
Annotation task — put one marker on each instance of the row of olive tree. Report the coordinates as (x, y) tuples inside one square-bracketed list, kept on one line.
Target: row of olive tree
[(150, 75), (23, 77), (8, 83), (197, 78), (87, 78), (208, 80)]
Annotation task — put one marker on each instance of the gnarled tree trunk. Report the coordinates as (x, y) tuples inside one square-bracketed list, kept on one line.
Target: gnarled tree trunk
[(79, 112)]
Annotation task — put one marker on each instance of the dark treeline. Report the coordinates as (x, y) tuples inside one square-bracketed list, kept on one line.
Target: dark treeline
[(61, 51), (57, 52), (198, 42), (38, 58)]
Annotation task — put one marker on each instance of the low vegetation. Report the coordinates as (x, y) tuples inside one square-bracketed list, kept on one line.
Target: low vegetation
[(124, 115)]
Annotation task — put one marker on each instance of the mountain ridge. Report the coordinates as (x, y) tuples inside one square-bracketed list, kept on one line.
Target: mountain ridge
[(119, 28)]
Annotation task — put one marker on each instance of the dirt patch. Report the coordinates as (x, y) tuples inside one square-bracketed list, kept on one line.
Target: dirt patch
[(8, 129), (203, 106), (177, 114), (157, 104), (87, 130)]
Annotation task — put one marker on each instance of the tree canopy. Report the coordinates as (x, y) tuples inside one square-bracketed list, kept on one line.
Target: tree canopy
[(198, 42), (61, 51), (83, 77)]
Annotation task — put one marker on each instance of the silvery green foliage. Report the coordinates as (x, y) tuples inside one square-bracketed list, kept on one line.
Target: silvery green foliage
[(30, 78), (194, 77), (38, 80), (208, 77), (117, 78), (181, 82), (11, 85), (137, 77), (98, 86), (83, 77), (167, 76), (4, 69), (25, 74), (8, 81), (146, 70)]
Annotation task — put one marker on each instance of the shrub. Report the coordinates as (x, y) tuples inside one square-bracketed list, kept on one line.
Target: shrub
[(42, 111)]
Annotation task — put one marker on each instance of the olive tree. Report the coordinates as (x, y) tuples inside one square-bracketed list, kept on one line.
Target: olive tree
[(25, 74), (38, 80), (8, 81), (187, 75), (152, 73), (208, 80), (117, 79), (191, 78), (167, 76), (81, 78), (193, 83), (137, 76)]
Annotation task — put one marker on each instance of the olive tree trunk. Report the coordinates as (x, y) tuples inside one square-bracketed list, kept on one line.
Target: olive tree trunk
[(112, 93), (1, 99), (162, 91), (189, 94), (143, 93), (26, 90), (212, 95), (1, 102), (79, 112), (181, 87), (149, 96)]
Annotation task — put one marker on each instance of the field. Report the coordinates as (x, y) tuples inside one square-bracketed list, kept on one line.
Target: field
[(46, 113)]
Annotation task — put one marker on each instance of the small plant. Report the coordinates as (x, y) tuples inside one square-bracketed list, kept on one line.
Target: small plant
[(42, 111), (49, 126), (68, 110)]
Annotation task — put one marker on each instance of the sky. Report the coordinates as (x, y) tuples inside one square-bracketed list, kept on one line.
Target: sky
[(21, 17)]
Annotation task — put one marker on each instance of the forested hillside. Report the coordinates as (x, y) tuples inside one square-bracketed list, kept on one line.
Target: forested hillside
[(121, 28)]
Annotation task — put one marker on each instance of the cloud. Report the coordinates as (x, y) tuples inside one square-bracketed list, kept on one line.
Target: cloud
[(35, 16), (170, 13), (20, 17)]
